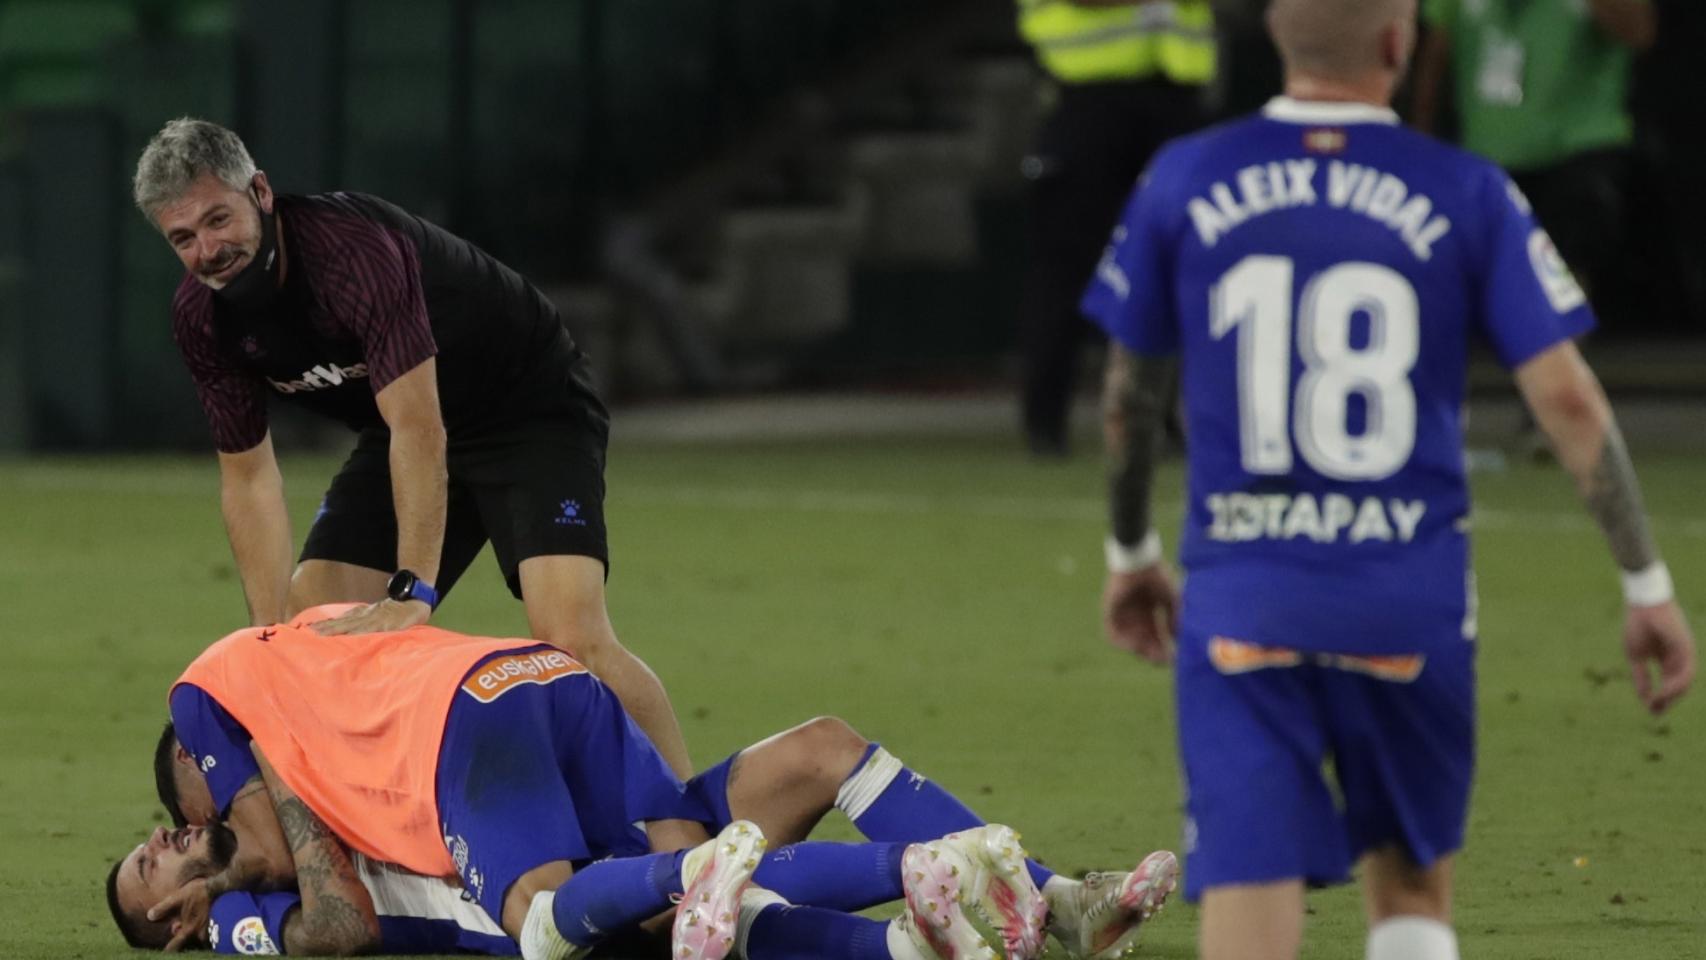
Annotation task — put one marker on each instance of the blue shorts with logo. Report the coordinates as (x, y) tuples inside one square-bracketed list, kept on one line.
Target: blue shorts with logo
[(544, 772), (1260, 727)]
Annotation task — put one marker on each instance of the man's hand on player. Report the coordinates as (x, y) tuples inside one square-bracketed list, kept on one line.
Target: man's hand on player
[(1658, 636), (382, 617), (191, 903), (1140, 612)]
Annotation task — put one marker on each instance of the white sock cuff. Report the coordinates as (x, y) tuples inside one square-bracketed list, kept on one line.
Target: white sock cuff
[(1412, 938), (539, 937), (752, 903), (863, 788)]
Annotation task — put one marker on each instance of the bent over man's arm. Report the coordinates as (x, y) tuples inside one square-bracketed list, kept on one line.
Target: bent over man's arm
[(251, 497), (420, 484), (1571, 408)]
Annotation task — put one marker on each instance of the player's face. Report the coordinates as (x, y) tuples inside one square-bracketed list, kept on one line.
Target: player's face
[(195, 800), (214, 229), (168, 859)]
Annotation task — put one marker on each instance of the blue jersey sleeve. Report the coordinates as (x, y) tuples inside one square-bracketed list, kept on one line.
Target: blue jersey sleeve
[(1529, 301), (248, 924), (218, 742), (1131, 295)]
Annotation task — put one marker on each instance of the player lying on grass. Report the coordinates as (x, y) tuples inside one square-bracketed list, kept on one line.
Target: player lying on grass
[(452, 755), (348, 904)]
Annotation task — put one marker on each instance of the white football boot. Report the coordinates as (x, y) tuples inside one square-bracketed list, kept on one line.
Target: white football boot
[(1098, 918), (936, 882), (1000, 886), (714, 875)]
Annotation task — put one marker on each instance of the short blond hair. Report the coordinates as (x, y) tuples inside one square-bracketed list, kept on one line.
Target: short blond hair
[(1334, 38)]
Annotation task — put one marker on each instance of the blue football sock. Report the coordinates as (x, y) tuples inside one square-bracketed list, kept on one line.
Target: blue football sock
[(611, 895), (781, 932), (835, 876), (888, 802)]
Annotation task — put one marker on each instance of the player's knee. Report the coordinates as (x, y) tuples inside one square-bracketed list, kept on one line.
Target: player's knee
[(590, 641), (304, 592), (519, 899), (831, 745)]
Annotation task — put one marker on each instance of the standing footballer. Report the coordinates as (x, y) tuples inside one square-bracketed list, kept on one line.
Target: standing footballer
[(476, 416), (1320, 273)]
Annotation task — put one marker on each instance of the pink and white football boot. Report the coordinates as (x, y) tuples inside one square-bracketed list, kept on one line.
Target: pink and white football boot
[(1098, 918), (1001, 887), (937, 882), (715, 874)]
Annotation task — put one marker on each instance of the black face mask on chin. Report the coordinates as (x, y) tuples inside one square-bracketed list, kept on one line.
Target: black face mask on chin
[(255, 287)]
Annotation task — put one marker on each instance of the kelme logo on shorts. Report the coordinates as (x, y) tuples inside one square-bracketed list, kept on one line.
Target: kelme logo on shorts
[(571, 514), (506, 673)]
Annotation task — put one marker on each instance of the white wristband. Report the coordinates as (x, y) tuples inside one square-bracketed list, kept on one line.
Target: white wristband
[(1124, 559), (1649, 587)]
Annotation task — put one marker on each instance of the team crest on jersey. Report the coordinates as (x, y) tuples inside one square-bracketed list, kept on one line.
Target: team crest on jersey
[(250, 938), (1325, 140), (498, 677), (1555, 276)]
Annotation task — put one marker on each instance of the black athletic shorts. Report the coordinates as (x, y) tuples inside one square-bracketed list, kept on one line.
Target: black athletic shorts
[(533, 488)]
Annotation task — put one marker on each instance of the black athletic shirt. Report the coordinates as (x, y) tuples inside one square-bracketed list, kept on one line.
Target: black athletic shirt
[(370, 292)]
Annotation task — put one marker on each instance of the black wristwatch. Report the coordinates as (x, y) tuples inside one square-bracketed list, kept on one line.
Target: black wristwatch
[(405, 585)]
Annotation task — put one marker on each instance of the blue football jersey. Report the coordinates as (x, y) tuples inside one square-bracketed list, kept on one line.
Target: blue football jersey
[(1322, 274), (219, 744), (417, 915)]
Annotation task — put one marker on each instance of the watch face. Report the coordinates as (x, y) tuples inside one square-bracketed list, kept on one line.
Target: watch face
[(401, 586)]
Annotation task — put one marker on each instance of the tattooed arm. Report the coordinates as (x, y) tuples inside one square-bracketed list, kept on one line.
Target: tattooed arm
[(262, 863), (337, 917), (1139, 601), (1135, 395), (1570, 406)]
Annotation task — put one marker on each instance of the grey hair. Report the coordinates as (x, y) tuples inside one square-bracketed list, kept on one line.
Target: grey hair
[(181, 152)]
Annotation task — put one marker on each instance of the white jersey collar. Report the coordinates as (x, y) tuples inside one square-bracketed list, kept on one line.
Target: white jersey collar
[(1326, 112)]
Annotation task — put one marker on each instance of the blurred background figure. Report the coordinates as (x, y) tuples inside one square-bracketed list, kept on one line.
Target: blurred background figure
[(1128, 76), (1542, 89)]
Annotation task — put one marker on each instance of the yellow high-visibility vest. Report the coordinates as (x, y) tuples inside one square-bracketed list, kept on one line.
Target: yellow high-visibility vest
[(1170, 38)]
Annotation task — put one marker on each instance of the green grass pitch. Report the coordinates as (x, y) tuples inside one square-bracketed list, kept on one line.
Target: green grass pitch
[(942, 596)]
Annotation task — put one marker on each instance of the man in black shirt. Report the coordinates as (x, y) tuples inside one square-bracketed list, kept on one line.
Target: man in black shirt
[(476, 416)]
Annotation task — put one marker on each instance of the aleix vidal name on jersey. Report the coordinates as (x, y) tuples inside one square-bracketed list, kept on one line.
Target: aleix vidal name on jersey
[(321, 376), (1265, 188), (1243, 517)]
